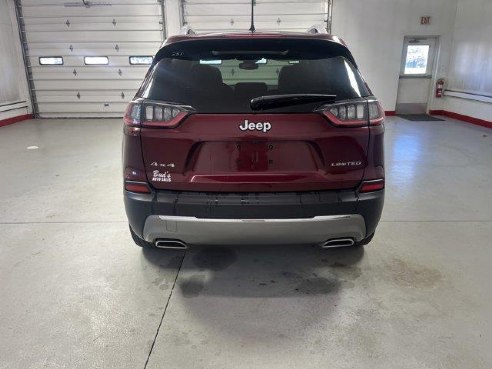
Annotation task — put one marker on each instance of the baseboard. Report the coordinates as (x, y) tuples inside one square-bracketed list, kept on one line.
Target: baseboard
[(464, 118), (390, 113), (20, 118), (437, 112)]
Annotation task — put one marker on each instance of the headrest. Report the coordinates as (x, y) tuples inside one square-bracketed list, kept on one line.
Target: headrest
[(206, 75), (252, 89), (291, 77)]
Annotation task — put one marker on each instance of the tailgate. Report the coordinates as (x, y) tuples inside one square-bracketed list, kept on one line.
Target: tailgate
[(254, 153)]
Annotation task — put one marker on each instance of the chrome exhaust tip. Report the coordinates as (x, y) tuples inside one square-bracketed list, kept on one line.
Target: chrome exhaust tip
[(338, 242), (170, 244)]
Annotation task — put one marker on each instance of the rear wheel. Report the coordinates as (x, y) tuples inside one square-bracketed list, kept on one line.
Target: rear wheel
[(141, 242)]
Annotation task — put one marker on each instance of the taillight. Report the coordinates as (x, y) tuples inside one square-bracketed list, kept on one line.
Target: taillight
[(355, 113), (138, 187), (376, 112), (371, 186), (132, 119), (144, 113)]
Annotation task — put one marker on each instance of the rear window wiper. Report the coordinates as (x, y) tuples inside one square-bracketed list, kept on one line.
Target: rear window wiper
[(277, 101)]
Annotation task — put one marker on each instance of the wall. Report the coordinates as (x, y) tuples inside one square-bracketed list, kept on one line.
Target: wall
[(14, 93), (374, 31), (471, 60)]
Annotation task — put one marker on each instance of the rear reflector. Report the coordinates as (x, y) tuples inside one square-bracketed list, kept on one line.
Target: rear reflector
[(139, 187), (371, 186)]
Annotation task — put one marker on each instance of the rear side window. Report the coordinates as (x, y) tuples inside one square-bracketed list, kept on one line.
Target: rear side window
[(223, 76)]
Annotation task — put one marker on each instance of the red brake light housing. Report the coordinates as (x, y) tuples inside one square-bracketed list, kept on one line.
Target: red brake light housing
[(371, 186), (354, 113), (138, 187)]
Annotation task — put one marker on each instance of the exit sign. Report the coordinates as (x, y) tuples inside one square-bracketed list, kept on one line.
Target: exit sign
[(425, 20)]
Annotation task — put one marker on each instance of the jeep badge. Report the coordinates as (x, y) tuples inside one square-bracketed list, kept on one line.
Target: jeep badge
[(250, 126)]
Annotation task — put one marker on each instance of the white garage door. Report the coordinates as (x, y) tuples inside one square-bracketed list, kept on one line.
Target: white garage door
[(270, 15), (64, 35)]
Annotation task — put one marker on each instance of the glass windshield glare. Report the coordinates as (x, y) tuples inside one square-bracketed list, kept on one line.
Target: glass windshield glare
[(223, 77)]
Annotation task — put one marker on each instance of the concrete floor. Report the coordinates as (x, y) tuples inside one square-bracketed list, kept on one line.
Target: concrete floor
[(75, 292)]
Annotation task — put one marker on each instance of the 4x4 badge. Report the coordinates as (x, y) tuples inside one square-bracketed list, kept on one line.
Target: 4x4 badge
[(250, 126)]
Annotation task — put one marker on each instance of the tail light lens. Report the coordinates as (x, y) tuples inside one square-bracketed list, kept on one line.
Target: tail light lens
[(354, 113), (143, 113), (138, 187), (164, 115), (371, 186), (132, 119), (376, 112)]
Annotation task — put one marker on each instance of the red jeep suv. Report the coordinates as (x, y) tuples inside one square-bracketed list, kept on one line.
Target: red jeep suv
[(253, 138)]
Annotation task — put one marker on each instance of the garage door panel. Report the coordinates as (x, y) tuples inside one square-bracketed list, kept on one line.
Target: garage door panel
[(81, 11), (239, 26), (49, 94), (74, 98), (260, 8), (117, 29), (84, 114), (93, 4), (248, 2), (78, 61), (82, 27), (107, 75), (92, 36), (194, 19), (79, 107), (139, 70), (225, 9), (271, 15), (80, 49), (79, 85), (154, 19)]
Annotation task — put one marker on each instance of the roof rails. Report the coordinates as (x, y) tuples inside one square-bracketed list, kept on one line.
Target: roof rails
[(187, 30), (316, 28)]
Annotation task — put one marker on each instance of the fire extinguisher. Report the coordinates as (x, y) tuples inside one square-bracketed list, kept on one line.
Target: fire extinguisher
[(439, 87)]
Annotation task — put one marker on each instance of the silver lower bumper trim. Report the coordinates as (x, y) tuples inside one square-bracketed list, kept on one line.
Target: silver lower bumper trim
[(201, 231)]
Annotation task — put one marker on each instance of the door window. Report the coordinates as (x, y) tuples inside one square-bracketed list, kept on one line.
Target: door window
[(418, 57)]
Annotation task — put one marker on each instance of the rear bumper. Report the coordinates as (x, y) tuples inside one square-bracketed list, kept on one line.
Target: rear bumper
[(254, 218), (195, 231)]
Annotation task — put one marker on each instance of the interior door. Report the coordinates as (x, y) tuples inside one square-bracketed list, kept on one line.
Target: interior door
[(415, 75)]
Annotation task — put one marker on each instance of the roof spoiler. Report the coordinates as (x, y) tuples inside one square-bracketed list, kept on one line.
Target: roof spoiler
[(316, 28), (187, 30)]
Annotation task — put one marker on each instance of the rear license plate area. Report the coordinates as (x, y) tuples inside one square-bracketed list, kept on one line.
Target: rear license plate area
[(255, 156)]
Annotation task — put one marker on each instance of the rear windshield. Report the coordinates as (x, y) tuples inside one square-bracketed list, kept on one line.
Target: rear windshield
[(223, 76)]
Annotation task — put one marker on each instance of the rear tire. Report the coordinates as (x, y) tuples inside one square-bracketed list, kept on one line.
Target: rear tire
[(141, 242)]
